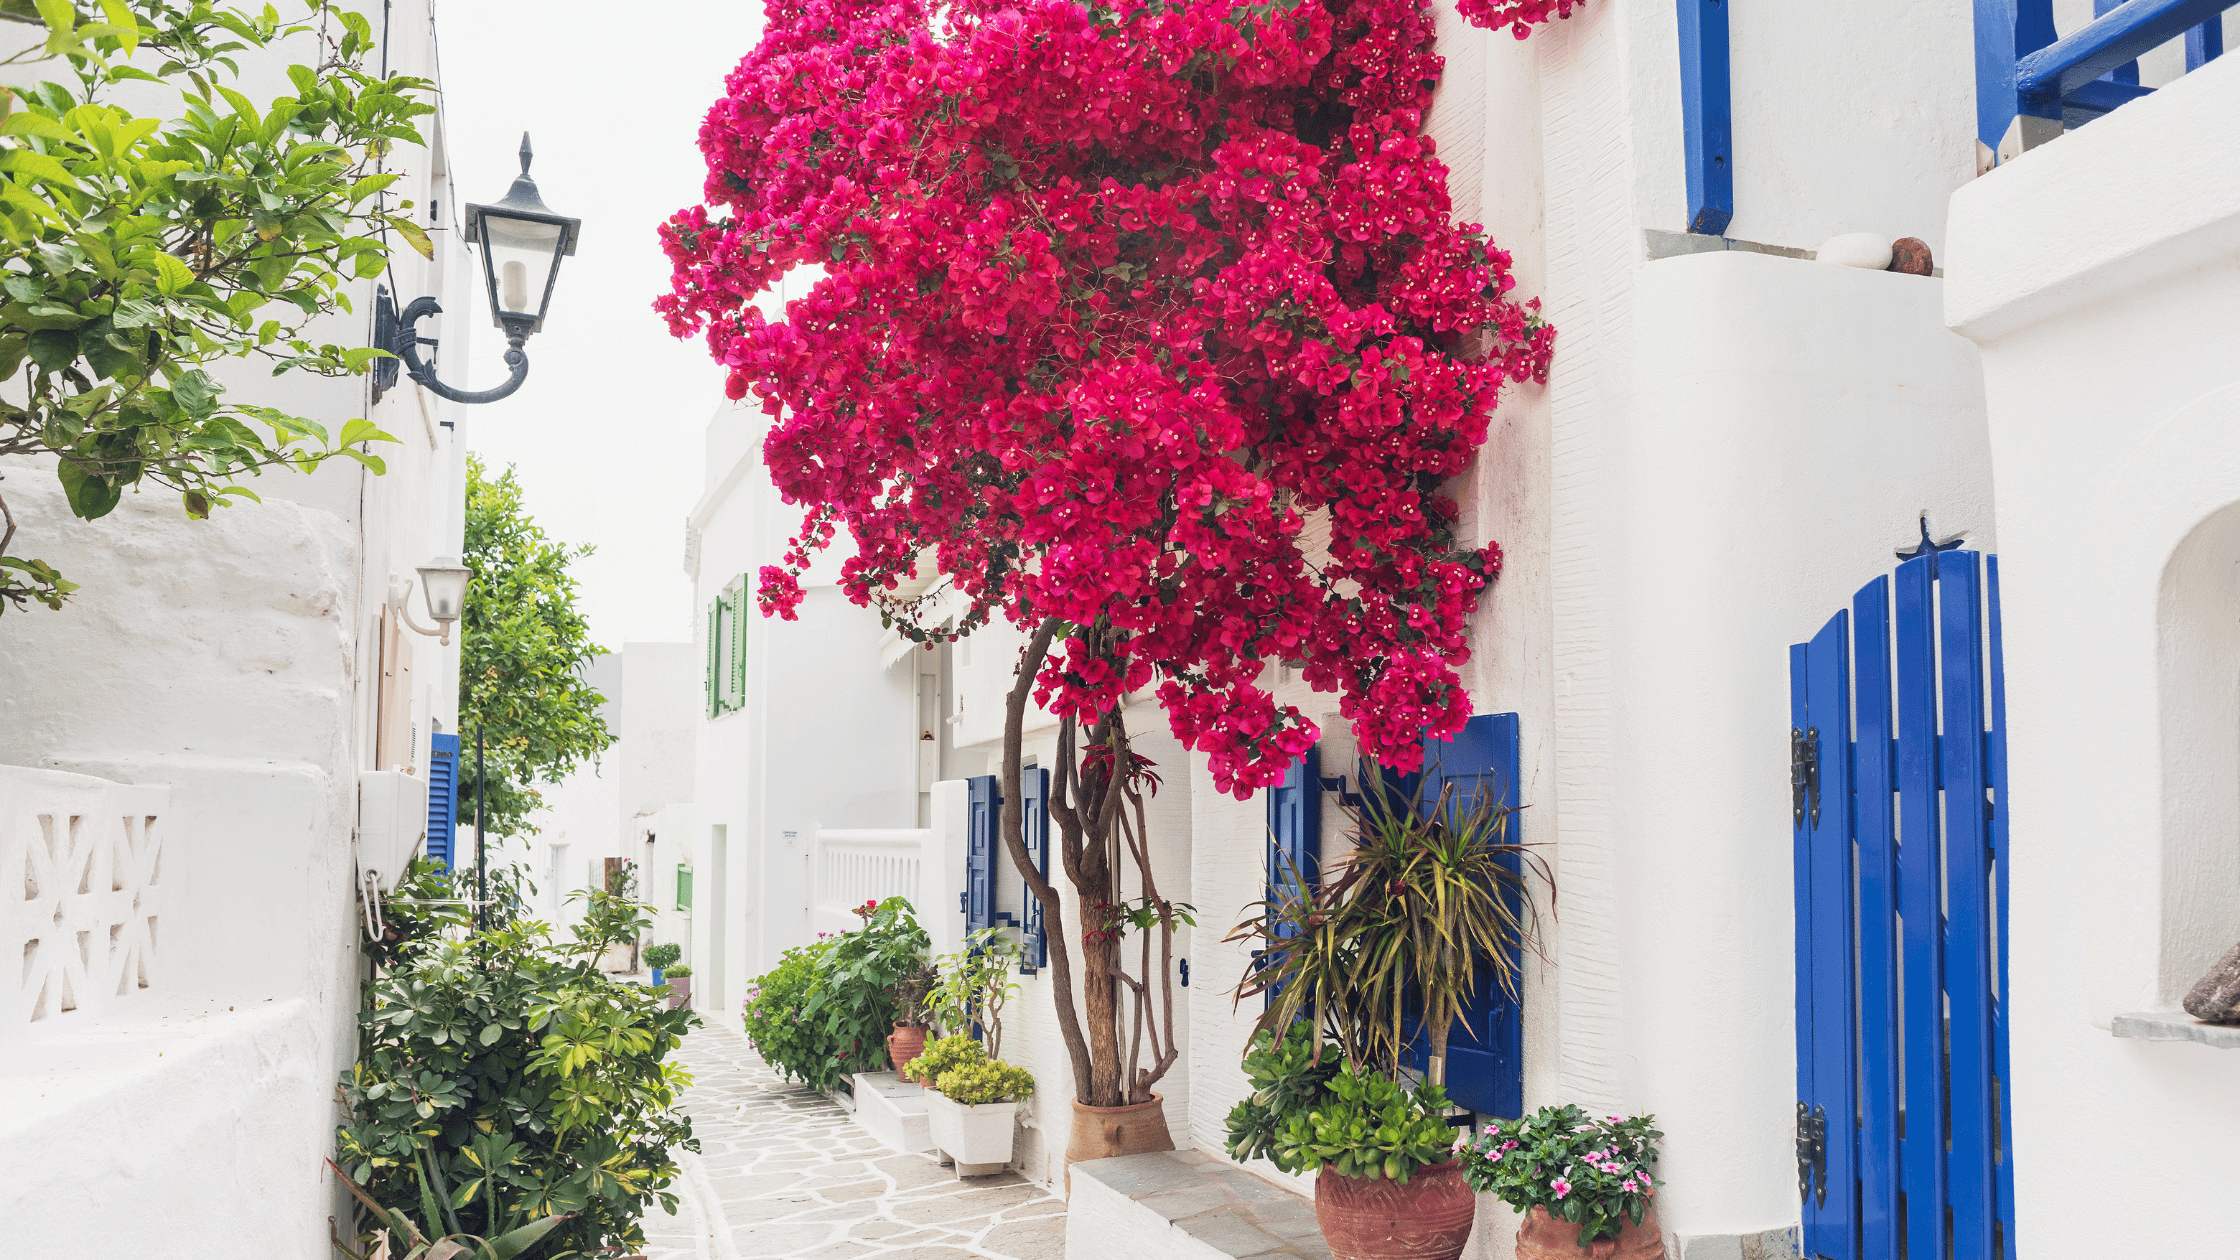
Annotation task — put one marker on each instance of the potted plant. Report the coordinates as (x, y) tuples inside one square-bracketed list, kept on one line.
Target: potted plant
[(913, 1012), (680, 986), (1583, 1184), (1356, 974), (942, 1055), (972, 985), (661, 956), (1387, 1184), (972, 1113)]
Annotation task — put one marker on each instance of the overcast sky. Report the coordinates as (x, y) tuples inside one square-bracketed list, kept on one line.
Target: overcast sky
[(606, 433)]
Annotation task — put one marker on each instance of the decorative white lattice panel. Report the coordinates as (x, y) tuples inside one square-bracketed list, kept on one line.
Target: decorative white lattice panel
[(82, 893)]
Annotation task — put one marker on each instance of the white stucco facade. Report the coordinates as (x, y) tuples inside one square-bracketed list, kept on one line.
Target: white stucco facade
[(220, 685), (2096, 275)]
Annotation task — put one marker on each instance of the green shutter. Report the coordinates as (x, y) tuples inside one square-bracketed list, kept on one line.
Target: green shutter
[(684, 887), (715, 657), (738, 695)]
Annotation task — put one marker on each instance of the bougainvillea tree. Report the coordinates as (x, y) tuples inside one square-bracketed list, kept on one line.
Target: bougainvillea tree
[(1107, 304)]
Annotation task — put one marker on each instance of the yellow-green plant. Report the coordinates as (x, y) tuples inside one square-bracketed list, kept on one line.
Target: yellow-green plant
[(987, 1081), (1391, 946), (940, 1056)]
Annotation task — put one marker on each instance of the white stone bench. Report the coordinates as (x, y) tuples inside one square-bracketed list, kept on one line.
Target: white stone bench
[(1185, 1205), (892, 1110)]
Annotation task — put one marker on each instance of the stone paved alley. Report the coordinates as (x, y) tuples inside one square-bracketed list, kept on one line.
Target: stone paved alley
[(785, 1173)]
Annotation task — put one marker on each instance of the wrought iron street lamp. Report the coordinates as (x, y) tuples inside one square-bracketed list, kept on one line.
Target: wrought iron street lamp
[(522, 242)]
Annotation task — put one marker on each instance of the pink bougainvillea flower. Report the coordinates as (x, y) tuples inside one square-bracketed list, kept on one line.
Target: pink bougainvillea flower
[(1150, 319)]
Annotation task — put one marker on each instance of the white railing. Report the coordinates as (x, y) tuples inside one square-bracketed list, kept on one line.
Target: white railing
[(83, 889), (852, 867)]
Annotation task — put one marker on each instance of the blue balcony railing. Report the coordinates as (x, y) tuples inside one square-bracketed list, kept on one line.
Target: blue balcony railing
[(2030, 84)]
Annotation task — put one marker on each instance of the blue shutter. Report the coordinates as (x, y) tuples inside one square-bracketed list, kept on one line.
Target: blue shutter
[(982, 816), (1295, 830), (1294, 857), (1485, 1048), (443, 795), (1034, 793)]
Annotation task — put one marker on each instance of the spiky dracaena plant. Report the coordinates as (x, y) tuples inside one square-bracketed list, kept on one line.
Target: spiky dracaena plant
[(1392, 946)]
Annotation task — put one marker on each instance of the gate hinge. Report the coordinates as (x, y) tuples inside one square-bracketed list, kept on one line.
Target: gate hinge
[(1804, 774), (1812, 1154)]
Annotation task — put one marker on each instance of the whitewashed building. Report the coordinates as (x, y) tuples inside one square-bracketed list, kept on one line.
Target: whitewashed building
[(202, 757), (1741, 717)]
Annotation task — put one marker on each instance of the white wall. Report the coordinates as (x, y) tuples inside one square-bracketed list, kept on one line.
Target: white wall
[(827, 736), (2095, 272), (235, 660), (1791, 422)]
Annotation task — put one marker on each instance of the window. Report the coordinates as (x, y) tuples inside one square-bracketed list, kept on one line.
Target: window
[(684, 887), (726, 686)]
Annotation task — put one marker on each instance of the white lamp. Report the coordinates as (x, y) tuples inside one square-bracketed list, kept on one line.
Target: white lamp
[(444, 581)]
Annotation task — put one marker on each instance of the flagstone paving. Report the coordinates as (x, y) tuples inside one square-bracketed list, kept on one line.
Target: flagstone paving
[(785, 1174)]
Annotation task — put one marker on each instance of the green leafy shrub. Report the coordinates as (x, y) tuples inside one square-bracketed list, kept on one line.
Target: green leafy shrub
[(503, 1079), (1310, 1109), (825, 1011), (678, 972), (940, 1056), (663, 956), (986, 1081), (775, 1021), (1592, 1173)]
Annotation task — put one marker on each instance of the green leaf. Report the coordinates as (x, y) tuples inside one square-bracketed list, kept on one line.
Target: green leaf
[(128, 27), (510, 1245), (53, 350), (36, 165), (195, 391), (171, 275), (25, 123), (412, 234), (91, 497)]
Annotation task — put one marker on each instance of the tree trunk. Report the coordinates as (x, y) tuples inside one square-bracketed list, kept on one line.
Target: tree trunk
[(1015, 840)]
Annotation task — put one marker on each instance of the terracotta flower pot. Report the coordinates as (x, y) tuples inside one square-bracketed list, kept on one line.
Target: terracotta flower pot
[(907, 1042), (1103, 1132), (680, 991), (1380, 1219), (1545, 1238)]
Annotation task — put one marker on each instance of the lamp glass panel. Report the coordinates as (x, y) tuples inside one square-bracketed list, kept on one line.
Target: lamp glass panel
[(446, 588), (520, 254)]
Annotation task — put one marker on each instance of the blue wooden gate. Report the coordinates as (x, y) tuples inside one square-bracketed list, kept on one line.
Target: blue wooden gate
[(1485, 1048), (984, 809), (1897, 795)]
